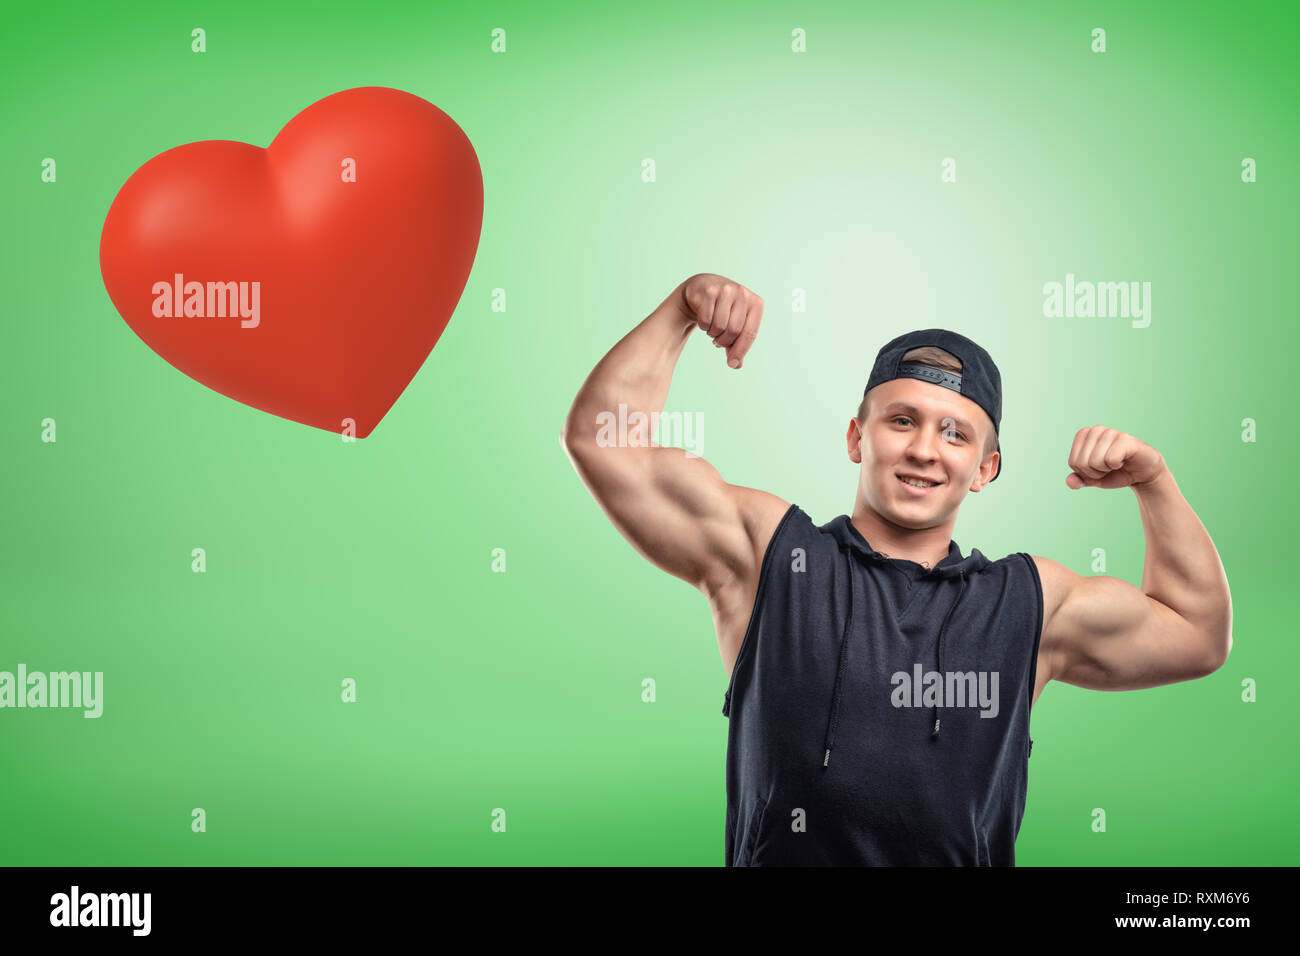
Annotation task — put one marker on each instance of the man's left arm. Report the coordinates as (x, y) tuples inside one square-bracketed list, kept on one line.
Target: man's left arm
[(1103, 633)]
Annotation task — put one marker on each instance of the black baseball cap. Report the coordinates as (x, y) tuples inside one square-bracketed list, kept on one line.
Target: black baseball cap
[(979, 379)]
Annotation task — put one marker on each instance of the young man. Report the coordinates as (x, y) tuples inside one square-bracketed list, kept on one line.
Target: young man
[(881, 681)]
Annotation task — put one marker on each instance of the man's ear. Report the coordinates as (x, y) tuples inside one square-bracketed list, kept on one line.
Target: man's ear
[(854, 439), (989, 470)]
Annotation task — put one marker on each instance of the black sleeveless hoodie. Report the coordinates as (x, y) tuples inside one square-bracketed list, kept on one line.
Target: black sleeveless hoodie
[(840, 749)]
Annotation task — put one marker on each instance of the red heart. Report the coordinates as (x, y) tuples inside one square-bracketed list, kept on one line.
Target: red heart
[(355, 280)]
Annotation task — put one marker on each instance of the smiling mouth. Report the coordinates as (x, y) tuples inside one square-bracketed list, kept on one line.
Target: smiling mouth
[(917, 487)]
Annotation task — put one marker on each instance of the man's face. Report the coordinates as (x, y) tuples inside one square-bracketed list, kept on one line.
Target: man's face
[(924, 431)]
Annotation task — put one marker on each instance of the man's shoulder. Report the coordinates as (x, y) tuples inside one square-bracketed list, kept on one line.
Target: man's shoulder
[(1018, 561), (1055, 579)]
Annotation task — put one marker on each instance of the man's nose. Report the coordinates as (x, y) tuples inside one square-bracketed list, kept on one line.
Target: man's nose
[(925, 446)]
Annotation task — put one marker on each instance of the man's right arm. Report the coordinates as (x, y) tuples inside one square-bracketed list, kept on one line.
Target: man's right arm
[(676, 510)]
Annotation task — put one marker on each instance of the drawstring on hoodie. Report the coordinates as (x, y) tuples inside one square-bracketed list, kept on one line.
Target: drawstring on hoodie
[(839, 674), (844, 643), (939, 650)]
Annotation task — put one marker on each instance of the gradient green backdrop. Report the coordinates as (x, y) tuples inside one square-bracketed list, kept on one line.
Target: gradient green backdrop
[(817, 171)]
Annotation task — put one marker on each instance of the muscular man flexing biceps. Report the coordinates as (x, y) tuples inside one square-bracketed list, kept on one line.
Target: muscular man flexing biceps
[(881, 681)]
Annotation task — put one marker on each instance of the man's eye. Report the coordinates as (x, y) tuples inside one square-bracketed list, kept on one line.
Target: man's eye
[(950, 433)]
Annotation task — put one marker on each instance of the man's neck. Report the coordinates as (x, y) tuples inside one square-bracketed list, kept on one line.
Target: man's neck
[(925, 546)]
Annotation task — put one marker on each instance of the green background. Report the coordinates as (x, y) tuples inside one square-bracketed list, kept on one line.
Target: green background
[(816, 171)]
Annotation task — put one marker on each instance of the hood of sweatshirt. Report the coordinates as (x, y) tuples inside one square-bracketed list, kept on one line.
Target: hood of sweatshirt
[(856, 548)]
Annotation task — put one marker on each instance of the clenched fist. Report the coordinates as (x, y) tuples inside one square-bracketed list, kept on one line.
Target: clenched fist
[(1103, 457), (726, 311)]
